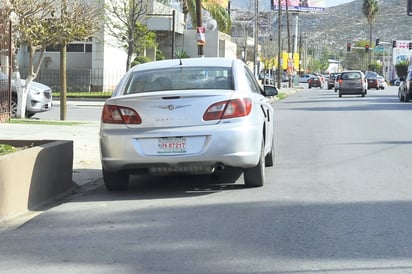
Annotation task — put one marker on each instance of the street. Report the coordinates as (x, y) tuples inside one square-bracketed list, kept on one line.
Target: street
[(338, 200)]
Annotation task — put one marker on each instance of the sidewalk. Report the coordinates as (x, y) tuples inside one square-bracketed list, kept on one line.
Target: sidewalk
[(86, 157)]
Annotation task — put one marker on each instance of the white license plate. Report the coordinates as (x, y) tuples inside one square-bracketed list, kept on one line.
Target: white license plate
[(171, 145)]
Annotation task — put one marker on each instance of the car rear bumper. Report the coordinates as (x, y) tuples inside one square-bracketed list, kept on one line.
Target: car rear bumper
[(207, 147), (351, 91)]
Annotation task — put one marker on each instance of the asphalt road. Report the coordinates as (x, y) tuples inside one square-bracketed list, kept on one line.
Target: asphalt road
[(338, 200)]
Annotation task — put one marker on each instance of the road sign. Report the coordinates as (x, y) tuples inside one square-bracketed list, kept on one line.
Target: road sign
[(379, 48)]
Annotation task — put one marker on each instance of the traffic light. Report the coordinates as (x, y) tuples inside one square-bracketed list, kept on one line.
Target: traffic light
[(366, 48), (348, 46), (377, 42), (394, 43)]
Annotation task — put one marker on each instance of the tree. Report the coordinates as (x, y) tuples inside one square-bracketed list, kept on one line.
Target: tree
[(43, 23), (123, 21), (216, 11), (370, 9), (401, 69)]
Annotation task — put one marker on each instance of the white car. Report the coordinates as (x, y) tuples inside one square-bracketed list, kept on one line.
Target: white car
[(39, 98), (190, 116), (305, 78)]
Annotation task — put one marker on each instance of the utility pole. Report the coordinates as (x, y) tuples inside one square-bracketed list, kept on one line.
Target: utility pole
[(199, 22), (279, 44), (255, 50)]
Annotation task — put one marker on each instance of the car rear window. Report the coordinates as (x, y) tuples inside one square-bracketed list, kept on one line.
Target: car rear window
[(179, 78), (350, 76)]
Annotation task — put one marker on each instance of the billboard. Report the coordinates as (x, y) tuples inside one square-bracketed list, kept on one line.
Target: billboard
[(299, 5), (401, 52)]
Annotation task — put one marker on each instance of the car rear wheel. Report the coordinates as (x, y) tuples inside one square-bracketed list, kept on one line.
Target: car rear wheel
[(115, 181), (255, 176), (228, 175), (269, 159)]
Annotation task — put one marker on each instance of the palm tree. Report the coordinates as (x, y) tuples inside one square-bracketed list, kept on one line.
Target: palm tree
[(217, 12), (370, 9)]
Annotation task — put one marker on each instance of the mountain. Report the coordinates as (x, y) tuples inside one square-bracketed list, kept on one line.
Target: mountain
[(346, 23)]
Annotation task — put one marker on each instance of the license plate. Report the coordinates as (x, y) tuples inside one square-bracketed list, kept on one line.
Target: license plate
[(171, 145)]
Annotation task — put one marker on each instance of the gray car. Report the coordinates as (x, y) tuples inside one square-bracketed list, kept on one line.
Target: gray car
[(188, 116), (39, 97), (352, 82)]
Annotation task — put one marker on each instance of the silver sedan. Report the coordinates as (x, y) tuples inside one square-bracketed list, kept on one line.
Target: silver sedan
[(187, 116)]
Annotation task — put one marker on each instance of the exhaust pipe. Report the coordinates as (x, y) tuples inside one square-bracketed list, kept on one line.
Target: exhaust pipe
[(219, 167)]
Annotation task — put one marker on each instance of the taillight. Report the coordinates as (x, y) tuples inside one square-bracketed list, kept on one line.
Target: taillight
[(228, 109), (340, 81), (120, 115)]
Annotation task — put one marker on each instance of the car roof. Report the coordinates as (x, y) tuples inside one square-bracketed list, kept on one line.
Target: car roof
[(188, 62)]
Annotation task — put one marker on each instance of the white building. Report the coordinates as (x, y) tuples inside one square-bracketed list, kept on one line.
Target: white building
[(98, 64)]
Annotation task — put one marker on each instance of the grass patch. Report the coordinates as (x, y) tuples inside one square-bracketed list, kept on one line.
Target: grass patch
[(282, 95), (44, 122), (5, 149)]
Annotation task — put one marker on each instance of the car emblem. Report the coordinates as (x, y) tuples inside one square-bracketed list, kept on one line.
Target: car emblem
[(172, 107)]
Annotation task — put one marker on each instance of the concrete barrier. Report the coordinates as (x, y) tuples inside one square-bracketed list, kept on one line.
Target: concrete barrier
[(34, 176)]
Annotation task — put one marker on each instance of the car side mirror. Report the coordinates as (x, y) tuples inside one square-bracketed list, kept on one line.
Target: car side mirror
[(270, 90)]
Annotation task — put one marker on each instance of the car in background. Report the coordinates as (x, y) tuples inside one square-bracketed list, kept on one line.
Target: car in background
[(381, 82), (337, 78), (315, 81), (331, 79), (352, 82), (39, 98), (395, 82), (214, 118), (305, 78), (372, 79), (405, 88)]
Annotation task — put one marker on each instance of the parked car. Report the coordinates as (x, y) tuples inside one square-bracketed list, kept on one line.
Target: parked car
[(331, 79), (305, 77), (39, 98), (381, 82), (214, 118), (315, 81), (405, 88), (352, 82)]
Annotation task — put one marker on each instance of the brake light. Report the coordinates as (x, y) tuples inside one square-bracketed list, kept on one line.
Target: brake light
[(112, 114), (228, 109), (340, 81)]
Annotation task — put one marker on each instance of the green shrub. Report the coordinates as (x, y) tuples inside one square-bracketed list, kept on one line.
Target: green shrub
[(140, 60)]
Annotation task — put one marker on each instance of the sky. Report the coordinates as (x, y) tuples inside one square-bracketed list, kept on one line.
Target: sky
[(331, 3)]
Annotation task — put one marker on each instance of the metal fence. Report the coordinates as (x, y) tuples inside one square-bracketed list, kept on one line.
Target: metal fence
[(5, 56), (80, 81)]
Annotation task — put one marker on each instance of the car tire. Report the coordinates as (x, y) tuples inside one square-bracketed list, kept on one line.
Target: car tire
[(228, 175), (255, 176), (13, 106), (115, 181), (270, 157)]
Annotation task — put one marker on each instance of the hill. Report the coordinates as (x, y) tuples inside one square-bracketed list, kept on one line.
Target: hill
[(346, 23)]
